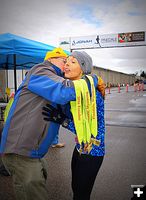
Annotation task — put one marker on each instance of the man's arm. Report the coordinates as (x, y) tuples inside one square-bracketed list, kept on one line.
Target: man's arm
[(52, 87)]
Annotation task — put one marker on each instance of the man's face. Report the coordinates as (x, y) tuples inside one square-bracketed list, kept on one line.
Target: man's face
[(59, 62)]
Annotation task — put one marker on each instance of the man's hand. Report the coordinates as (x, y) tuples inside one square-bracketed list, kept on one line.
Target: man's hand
[(101, 86)]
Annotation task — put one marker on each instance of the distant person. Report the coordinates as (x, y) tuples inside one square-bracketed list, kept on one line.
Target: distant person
[(56, 143), (3, 170), (7, 109)]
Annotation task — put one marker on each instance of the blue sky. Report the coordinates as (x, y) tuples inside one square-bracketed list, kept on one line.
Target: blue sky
[(47, 21)]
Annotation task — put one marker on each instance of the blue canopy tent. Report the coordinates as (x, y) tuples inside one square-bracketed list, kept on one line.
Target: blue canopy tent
[(20, 53)]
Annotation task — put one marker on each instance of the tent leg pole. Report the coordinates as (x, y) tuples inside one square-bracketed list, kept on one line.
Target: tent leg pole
[(15, 74)]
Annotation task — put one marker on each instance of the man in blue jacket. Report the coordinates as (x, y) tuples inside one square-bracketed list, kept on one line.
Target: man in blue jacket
[(26, 137)]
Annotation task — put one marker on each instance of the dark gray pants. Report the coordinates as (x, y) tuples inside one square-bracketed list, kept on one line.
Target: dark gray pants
[(29, 176)]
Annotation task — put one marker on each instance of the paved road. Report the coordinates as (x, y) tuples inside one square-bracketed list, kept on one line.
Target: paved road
[(125, 161), (126, 109)]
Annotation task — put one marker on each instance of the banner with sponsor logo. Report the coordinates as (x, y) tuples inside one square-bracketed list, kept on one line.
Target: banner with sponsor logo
[(131, 37), (104, 41), (64, 43)]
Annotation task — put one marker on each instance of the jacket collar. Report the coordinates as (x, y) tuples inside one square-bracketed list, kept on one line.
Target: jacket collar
[(58, 71)]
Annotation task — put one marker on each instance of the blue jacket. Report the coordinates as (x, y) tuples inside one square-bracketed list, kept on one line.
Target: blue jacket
[(25, 132)]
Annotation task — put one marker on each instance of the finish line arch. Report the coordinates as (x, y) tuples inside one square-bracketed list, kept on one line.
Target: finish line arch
[(129, 39)]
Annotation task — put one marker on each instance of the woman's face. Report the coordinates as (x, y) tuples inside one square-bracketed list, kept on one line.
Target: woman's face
[(72, 69)]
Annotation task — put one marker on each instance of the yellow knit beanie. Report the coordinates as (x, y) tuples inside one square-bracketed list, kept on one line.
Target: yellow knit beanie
[(55, 53)]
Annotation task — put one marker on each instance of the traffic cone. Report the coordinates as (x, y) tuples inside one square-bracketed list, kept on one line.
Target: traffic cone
[(118, 88), (127, 87), (135, 87), (109, 88)]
